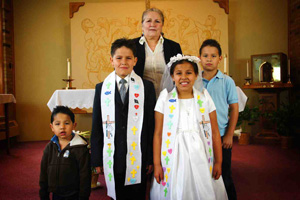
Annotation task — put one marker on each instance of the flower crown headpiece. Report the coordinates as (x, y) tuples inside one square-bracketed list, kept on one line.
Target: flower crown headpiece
[(179, 57)]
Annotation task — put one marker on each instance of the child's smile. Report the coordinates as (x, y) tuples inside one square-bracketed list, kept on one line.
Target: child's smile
[(184, 77)]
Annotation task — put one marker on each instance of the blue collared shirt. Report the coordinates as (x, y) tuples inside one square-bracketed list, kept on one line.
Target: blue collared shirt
[(222, 89)]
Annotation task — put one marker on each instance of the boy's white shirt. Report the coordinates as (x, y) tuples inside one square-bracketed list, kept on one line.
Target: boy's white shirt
[(134, 127)]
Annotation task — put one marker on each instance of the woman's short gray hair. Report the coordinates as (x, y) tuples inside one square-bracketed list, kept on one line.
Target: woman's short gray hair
[(153, 10)]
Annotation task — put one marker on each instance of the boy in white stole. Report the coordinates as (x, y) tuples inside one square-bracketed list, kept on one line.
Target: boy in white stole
[(123, 126), (186, 145)]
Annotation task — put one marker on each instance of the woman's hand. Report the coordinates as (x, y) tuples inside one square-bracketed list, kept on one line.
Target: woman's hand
[(158, 173), (217, 171)]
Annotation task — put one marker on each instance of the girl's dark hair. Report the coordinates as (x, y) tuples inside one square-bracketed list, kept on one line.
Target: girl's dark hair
[(63, 110), (195, 66), (211, 43)]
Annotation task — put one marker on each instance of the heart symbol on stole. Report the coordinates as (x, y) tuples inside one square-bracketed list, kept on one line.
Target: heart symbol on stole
[(169, 134), (164, 169), (171, 116), (136, 106), (164, 153), (133, 180), (163, 183), (170, 151), (169, 169), (136, 95), (202, 110), (136, 87)]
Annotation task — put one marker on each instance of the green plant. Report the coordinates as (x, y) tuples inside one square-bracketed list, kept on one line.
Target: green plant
[(286, 118), (248, 117)]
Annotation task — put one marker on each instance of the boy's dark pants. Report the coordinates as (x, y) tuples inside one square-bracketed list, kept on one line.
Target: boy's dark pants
[(226, 174)]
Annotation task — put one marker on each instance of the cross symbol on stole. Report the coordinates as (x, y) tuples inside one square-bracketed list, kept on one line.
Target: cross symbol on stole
[(109, 152), (166, 177), (166, 191), (168, 142), (108, 124), (167, 159), (200, 102), (132, 159), (109, 163), (171, 108), (109, 176), (134, 129), (107, 101), (108, 85), (133, 172), (133, 145), (203, 122), (170, 124)]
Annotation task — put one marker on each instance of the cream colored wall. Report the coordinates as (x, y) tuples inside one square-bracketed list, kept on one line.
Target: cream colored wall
[(42, 44), (255, 27)]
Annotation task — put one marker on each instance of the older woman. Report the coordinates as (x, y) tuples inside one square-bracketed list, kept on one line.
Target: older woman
[(153, 50)]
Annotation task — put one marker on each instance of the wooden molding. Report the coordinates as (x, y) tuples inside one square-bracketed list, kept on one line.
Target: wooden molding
[(223, 4), (74, 7), (147, 4)]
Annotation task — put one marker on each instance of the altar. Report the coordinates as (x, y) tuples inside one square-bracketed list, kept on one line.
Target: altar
[(80, 100)]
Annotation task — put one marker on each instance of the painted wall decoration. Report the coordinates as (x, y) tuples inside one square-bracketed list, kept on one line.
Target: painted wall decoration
[(96, 25)]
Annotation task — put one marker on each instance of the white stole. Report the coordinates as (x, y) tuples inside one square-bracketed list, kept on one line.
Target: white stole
[(171, 116), (134, 128)]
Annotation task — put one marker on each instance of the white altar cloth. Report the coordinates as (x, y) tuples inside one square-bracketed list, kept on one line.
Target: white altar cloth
[(79, 98)]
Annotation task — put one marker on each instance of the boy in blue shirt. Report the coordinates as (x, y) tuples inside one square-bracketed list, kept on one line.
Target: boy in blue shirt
[(223, 92)]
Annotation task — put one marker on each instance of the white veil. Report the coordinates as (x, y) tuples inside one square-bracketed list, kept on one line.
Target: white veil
[(167, 81)]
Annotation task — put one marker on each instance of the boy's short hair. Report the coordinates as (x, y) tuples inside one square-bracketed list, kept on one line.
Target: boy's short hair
[(123, 42), (212, 43), (195, 66), (63, 110)]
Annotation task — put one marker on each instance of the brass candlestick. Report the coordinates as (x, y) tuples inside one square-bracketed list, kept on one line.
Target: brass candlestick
[(248, 79), (69, 84)]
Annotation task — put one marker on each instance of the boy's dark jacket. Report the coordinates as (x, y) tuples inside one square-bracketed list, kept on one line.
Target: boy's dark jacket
[(66, 175), (121, 116)]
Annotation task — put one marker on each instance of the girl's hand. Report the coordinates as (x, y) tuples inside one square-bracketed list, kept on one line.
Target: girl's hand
[(158, 173), (217, 171)]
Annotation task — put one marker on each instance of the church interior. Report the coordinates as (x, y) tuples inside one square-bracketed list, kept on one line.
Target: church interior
[(39, 56)]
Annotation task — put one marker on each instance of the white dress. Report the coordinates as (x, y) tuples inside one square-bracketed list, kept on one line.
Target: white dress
[(191, 177)]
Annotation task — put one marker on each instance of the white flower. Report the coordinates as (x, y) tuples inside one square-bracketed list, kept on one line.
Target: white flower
[(179, 57)]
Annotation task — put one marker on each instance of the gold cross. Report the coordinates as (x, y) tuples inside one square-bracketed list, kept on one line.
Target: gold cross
[(171, 108), (132, 159), (133, 145), (168, 142), (134, 129), (133, 172)]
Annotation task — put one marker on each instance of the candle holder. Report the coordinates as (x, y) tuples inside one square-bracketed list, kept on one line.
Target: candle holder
[(289, 79), (248, 79), (69, 84)]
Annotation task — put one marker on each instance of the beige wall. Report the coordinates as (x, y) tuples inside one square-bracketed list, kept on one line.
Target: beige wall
[(42, 44)]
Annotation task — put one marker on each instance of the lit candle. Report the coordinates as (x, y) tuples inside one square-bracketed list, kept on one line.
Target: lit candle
[(247, 68), (289, 65), (225, 58), (69, 67)]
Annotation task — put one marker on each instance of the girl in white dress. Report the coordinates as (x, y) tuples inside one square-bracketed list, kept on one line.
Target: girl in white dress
[(187, 144)]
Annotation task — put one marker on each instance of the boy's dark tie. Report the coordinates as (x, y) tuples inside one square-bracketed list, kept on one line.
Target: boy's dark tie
[(123, 89)]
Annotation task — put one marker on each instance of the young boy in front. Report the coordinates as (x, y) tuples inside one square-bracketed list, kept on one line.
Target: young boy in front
[(65, 166), (223, 91), (123, 126)]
